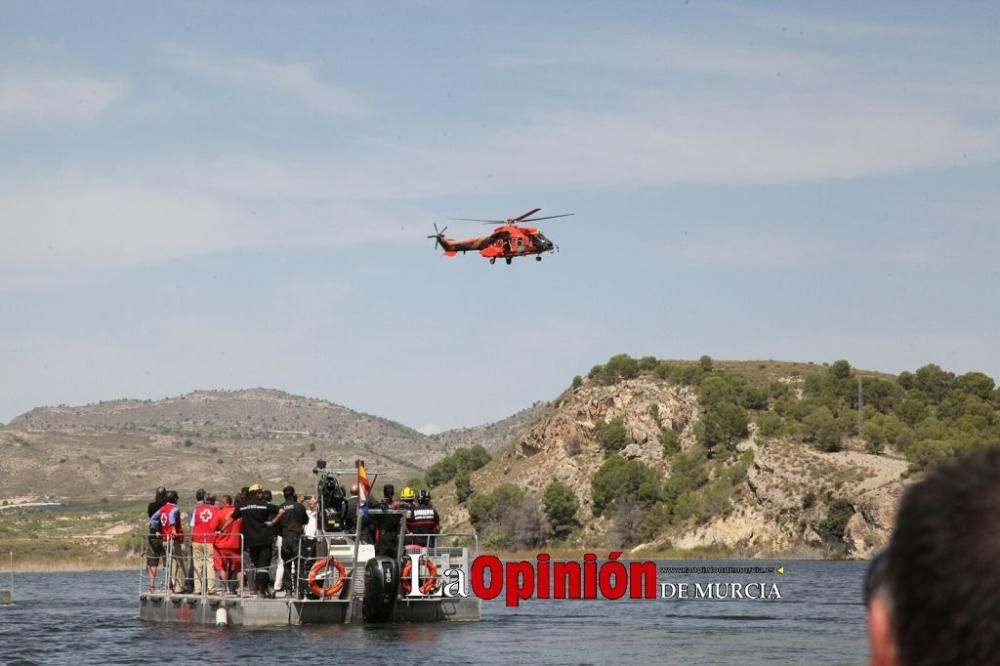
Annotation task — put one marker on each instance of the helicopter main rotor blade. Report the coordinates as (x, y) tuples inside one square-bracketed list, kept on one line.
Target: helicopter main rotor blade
[(547, 217), (525, 215), (476, 219)]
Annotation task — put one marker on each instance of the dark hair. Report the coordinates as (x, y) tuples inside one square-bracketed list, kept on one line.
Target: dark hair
[(388, 490), (226, 499), (942, 574), (200, 495), (874, 577), (161, 495), (288, 491), (171, 496)]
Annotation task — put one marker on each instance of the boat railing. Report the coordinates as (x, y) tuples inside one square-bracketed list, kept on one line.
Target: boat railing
[(452, 545), (446, 551), (322, 552), (176, 567)]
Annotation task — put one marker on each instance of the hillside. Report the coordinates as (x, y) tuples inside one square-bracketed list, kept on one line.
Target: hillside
[(215, 439), (491, 435), (753, 458)]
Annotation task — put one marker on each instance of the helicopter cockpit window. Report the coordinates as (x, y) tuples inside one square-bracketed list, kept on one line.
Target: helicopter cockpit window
[(540, 239)]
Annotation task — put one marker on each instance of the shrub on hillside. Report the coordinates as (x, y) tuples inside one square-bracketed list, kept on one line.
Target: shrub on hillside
[(670, 440), (833, 526), (769, 424), (691, 375), (722, 425), (613, 435), (664, 370), (622, 366), (461, 460), (618, 478), (507, 518), (626, 524), (560, 504), (463, 487), (647, 364), (821, 427), (688, 472)]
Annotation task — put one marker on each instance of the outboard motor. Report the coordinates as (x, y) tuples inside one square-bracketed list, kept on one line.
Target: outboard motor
[(381, 588)]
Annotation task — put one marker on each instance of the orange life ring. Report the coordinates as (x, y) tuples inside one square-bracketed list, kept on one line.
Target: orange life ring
[(337, 586), (429, 583)]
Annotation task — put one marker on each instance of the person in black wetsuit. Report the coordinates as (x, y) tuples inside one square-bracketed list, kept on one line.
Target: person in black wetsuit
[(258, 535), (158, 500), (154, 544)]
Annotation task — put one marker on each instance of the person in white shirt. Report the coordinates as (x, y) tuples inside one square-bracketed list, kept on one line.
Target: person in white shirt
[(312, 511)]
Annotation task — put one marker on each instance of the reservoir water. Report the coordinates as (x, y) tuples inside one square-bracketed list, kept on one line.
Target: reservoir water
[(92, 618)]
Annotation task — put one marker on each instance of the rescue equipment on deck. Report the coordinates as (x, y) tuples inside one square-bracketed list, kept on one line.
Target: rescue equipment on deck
[(427, 583), (316, 586)]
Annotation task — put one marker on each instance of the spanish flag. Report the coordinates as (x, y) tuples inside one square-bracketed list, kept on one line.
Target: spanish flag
[(364, 487)]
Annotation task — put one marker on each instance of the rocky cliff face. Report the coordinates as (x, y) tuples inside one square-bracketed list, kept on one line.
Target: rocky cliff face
[(793, 500)]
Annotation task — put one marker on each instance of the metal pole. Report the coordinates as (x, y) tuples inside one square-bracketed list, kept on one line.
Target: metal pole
[(12, 575), (354, 565), (861, 407)]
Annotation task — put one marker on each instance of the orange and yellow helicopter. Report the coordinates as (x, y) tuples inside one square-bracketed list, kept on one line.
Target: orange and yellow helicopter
[(506, 242)]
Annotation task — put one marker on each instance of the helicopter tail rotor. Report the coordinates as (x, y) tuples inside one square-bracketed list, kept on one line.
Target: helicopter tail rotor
[(438, 236)]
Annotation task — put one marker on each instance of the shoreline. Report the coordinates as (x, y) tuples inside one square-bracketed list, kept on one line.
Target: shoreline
[(83, 565)]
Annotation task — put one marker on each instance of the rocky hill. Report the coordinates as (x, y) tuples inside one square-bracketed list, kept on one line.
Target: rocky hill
[(795, 489), (491, 435), (216, 439)]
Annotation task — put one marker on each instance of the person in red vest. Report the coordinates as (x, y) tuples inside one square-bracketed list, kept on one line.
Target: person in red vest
[(228, 545), (172, 534), (205, 520)]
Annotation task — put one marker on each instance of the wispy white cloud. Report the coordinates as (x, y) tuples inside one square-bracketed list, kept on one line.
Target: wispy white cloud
[(641, 49), (663, 138), (100, 226), (816, 27), (28, 96), (70, 223), (742, 248), (297, 81), (827, 120)]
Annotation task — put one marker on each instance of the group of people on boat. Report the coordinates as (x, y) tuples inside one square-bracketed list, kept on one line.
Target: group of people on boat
[(242, 539)]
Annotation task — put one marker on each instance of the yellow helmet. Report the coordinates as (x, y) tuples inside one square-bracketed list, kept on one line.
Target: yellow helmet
[(407, 495)]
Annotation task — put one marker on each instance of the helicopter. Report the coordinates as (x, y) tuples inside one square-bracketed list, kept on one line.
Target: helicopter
[(506, 242)]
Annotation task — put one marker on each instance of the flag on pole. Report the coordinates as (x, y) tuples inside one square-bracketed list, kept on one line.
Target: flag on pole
[(364, 487)]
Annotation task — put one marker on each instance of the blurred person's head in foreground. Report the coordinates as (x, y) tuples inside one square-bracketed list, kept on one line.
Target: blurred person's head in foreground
[(933, 595)]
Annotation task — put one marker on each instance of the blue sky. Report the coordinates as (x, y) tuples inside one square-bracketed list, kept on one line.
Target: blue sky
[(225, 195)]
